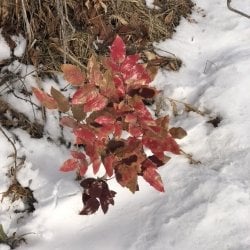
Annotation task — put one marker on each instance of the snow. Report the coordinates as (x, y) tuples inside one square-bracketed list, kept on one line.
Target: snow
[(4, 48), (20, 45), (205, 206)]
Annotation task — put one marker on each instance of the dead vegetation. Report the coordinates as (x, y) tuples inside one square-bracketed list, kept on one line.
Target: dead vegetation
[(15, 190), (71, 30), (59, 31), (13, 241), (10, 118)]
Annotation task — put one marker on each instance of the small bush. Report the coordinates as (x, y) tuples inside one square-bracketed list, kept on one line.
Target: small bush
[(109, 119)]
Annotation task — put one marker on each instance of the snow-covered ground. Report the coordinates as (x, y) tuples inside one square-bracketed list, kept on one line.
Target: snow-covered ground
[(205, 206)]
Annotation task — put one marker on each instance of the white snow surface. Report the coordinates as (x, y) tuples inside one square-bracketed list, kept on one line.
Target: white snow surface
[(4, 49), (205, 206)]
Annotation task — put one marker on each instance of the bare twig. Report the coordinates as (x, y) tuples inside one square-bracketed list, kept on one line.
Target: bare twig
[(235, 10), (187, 106), (172, 54), (190, 158), (12, 144), (27, 24), (63, 28)]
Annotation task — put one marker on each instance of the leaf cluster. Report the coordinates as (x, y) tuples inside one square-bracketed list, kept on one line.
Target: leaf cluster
[(113, 126)]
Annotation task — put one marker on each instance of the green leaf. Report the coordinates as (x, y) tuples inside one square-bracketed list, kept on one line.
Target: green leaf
[(3, 236)]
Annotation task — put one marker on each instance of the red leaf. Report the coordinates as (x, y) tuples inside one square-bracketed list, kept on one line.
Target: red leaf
[(103, 119), (118, 50), (90, 97), (78, 155), (85, 133), (108, 164), (83, 167), (95, 103), (154, 144), (160, 143), (129, 63), (79, 141), (91, 151), (96, 163), (69, 165), (45, 99), (131, 118), (104, 131), (142, 112), (110, 64), (153, 178), (137, 75), (135, 130), (82, 94), (170, 145), (148, 164), (119, 86), (122, 108), (73, 74), (75, 164), (118, 130)]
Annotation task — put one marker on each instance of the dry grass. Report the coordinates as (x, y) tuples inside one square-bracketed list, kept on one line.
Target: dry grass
[(67, 30)]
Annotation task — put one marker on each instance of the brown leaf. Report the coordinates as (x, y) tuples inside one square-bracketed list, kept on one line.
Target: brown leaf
[(157, 161), (129, 160), (178, 133), (149, 55), (78, 112), (62, 101), (73, 74), (93, 70), (143, 91), (126, 176), (152, 70), (68, 121), (114, 145), (45, 99), (169, 18), (107, 86)]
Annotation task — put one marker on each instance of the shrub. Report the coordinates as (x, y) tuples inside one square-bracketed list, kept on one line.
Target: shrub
[(112, 125)]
